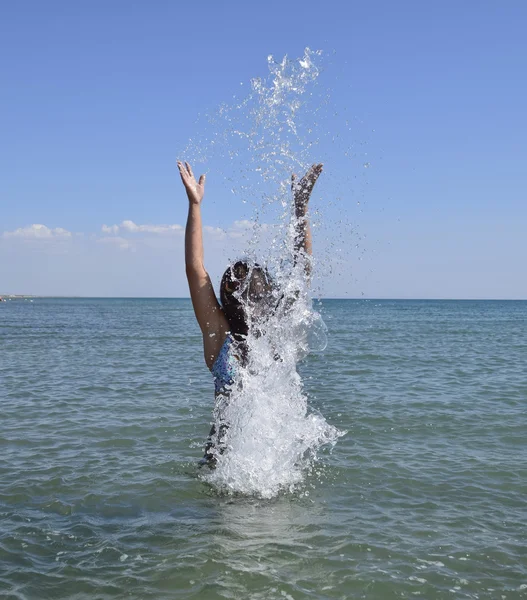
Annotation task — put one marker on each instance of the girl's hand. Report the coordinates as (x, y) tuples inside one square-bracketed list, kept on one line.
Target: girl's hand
[(195, 189), (302, 189)]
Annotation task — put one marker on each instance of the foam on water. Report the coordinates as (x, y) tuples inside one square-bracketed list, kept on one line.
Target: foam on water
[(272, 433)]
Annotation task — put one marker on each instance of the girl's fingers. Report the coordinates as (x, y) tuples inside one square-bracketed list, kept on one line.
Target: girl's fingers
[(316, 169), (182, 171), (189, 169), (315, 172), (185, 177)]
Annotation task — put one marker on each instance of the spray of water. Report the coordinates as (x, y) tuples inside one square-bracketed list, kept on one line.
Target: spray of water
[(272, 434)]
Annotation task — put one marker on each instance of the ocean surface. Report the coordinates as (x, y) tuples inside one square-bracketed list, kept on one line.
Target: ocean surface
[(105, 405)]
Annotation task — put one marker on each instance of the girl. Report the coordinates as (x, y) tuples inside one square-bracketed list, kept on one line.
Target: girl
[(247, 294)]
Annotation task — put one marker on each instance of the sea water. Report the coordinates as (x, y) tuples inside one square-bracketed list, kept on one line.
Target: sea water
[(105, 405)]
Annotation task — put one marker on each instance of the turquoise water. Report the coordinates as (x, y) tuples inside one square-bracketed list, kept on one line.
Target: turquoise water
[(106, 403)]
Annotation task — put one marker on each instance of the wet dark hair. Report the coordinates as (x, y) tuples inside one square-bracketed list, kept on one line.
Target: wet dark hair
[(244, 286)]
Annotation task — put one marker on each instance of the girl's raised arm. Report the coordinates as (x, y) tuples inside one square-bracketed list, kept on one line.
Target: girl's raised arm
[(208, 313), (301, 193)]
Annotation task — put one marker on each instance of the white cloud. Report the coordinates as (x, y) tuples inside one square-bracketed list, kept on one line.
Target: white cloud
[(38, 231), (243, 224), (239, 229), (215, 232), (128, 226)]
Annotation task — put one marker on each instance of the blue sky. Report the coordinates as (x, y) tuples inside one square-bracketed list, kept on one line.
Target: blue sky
[(98, 99)]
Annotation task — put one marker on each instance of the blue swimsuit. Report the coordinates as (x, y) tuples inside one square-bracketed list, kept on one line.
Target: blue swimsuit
[(225, 366)]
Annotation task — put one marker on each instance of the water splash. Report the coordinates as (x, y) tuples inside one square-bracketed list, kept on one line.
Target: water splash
[(272, 434), (267, 135)]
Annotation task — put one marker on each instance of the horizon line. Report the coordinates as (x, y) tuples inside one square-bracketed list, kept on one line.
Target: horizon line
[(42, 296)]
